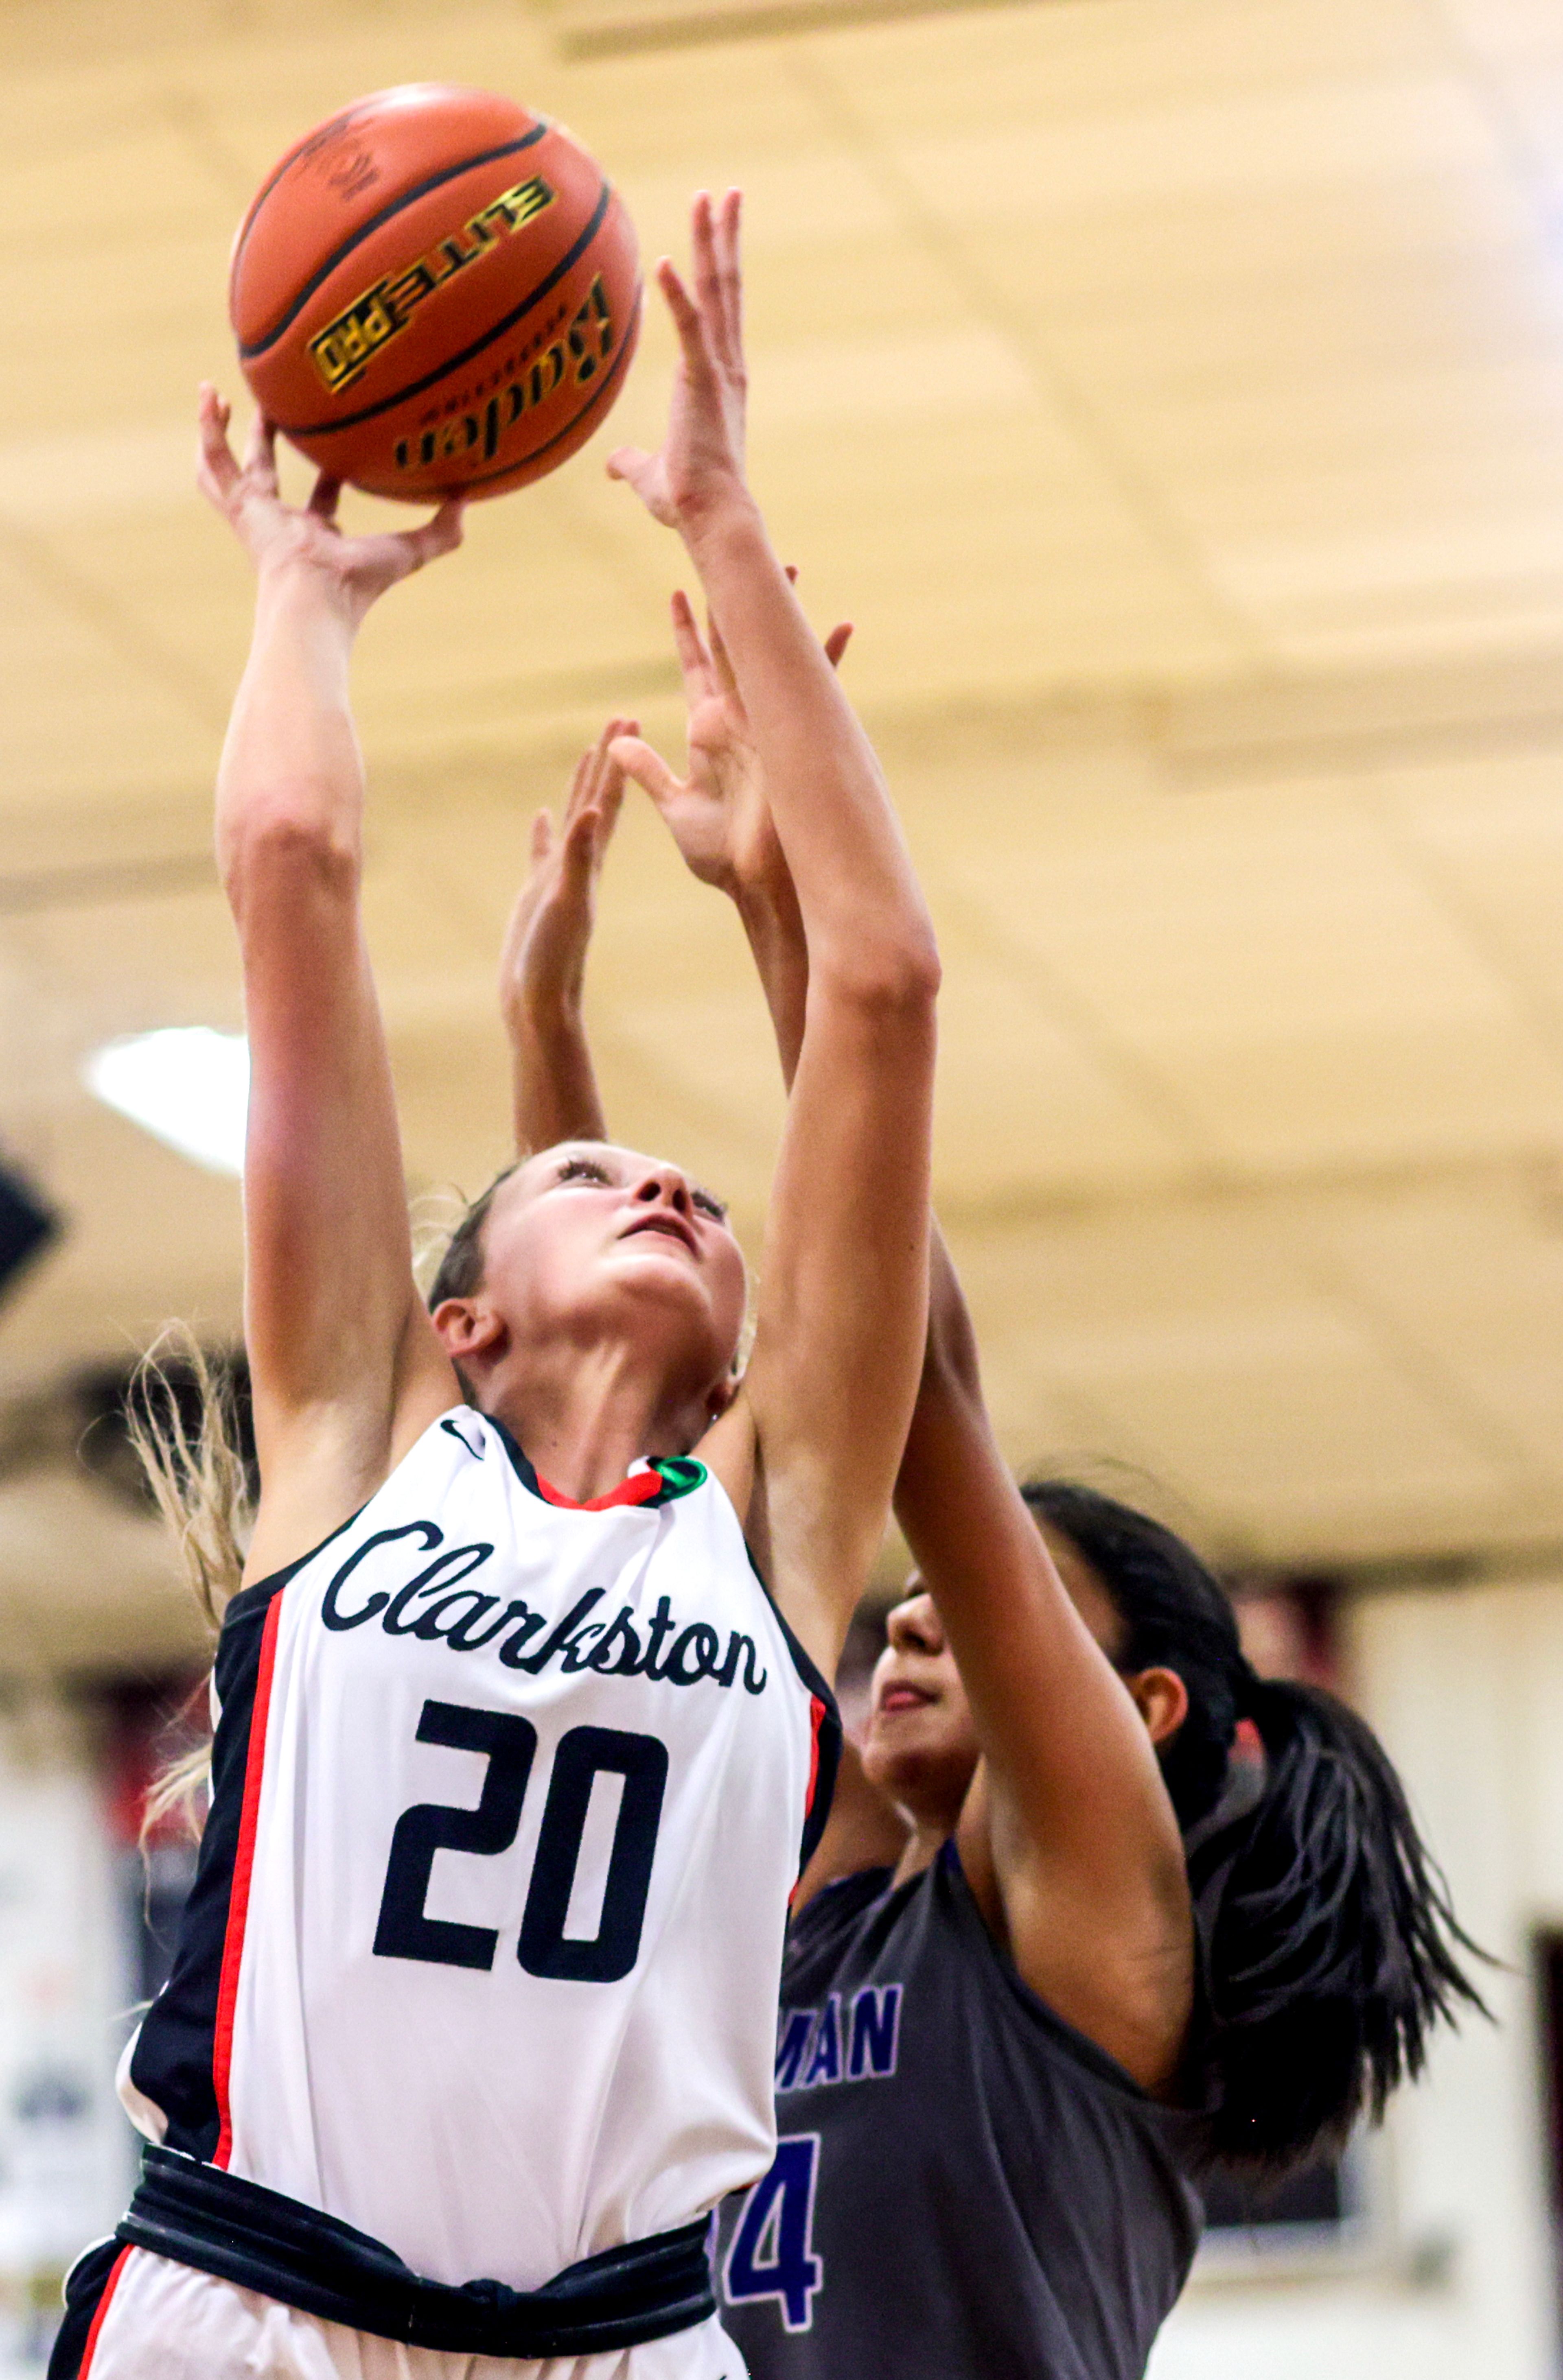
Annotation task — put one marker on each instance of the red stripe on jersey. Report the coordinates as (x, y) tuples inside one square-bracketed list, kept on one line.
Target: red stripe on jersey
[(638, 1490), (238, 1897), (816, 1720), (109, 2286)]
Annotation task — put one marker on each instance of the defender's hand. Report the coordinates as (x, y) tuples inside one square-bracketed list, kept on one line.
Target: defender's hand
[(543, 964), (717, 812)]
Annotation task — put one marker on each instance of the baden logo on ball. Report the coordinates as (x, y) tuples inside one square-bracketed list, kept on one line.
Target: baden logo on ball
[(435, 293)]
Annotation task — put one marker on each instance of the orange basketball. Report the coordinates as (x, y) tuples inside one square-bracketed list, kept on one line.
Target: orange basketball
[(435, 293)]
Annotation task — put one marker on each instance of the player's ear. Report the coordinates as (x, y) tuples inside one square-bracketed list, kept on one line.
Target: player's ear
[(719, 1398), (469, 1327), (1162, 1699)]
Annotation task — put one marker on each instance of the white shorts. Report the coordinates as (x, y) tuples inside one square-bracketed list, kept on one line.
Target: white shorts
[(163, 2321)]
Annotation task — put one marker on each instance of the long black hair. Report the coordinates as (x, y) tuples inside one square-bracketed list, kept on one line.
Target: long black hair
[(1326, 1942)]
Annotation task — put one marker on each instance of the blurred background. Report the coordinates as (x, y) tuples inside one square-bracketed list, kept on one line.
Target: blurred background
[(1172, 392)]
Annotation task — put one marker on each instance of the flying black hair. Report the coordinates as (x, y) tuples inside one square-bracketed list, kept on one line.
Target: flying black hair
[(1326, 1940)]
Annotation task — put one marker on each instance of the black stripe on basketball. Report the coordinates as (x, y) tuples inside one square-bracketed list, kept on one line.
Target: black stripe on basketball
[(251, 348), (502, 470), (571, 257)]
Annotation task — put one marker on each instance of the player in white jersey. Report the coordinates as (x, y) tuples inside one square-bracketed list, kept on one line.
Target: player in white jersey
[(473, 2014)]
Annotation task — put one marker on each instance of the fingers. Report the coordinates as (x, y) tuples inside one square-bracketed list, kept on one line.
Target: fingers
[(610, 801), (628, 462), (541, 837), (577, 853), (610, 785), (714, 243), (694, 344), (433, 538), (325, 497), (216, 474), (694, 660), (729, 276), (597, 775), (705, 274), (580, 788), (642, 472), (646, 769), (260, 454)]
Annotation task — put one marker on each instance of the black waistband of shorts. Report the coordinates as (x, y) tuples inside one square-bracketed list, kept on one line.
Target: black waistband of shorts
[(202, 2215)]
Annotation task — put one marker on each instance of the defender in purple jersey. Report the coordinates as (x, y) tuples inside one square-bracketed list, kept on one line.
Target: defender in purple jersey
[(1096, 1907)]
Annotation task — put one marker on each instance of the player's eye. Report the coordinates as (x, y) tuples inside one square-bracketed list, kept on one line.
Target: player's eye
[(581, 1169), (706, 1205)]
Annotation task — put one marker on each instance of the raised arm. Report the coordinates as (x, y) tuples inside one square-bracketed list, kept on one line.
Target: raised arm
[(543, 970), (346, 1367), (811, 1446), (1068, 1837)]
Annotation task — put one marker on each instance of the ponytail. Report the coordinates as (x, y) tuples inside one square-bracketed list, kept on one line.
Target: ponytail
[(1326, 1938)]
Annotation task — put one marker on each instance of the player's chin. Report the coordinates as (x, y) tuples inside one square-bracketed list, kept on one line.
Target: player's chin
[(923, 1780), (913, 1746), (674, 1293), (905, 1735), (658, 1266), (653, 1252), (664, 1270)]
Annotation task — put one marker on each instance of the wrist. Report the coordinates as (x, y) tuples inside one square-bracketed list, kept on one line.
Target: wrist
[(725, 514), (295, 589)]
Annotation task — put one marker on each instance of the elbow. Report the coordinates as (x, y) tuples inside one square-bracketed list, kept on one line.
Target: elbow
[(895, 975), (282, 841)]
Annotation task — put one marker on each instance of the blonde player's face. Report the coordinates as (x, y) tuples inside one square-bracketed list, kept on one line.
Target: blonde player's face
[(920, 1747), (604, 1247)]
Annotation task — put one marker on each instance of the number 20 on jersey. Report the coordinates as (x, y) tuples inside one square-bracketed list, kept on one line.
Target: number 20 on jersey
[(509, 1743)]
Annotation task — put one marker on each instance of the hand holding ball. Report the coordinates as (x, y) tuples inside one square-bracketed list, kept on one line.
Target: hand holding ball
[(434, 294)]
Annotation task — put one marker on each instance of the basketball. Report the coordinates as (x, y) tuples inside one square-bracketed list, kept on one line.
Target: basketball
[(435, 293)]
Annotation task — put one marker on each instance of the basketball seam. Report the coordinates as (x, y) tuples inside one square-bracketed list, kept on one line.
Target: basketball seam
[(309, 145), (571, 257), (249, 349)]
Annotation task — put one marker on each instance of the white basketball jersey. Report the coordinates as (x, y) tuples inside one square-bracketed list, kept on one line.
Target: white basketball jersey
[(510, 1793)]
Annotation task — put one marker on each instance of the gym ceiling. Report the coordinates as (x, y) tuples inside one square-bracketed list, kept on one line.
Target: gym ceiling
[(1172, 392)]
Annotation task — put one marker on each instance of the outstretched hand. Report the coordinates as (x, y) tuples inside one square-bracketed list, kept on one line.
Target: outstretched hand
[(716, 813), (543, 964), (701, 460), (278, 535)]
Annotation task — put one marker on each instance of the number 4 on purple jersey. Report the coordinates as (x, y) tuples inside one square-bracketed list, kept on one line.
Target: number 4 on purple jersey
[(771, 2256)]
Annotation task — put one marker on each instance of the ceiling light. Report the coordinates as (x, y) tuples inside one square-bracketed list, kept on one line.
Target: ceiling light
[(186, 1084)]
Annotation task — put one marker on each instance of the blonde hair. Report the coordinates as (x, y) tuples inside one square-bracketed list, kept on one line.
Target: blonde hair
[(200, 1482)]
